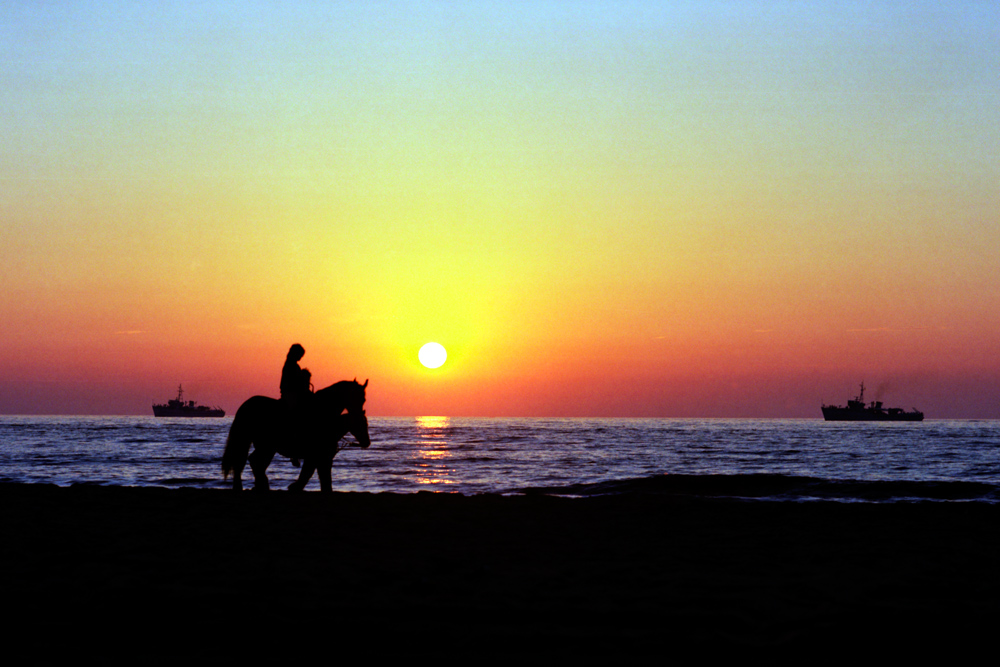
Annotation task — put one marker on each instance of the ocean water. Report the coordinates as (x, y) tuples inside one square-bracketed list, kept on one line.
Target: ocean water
[(789, 460)]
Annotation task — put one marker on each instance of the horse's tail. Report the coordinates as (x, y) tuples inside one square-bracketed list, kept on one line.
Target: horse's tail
[(238, 442)]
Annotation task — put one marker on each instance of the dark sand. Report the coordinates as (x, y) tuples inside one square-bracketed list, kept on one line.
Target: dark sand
[(196, 574)]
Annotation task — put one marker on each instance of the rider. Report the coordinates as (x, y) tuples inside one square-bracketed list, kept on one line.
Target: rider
[(295, 384), (295, 380)]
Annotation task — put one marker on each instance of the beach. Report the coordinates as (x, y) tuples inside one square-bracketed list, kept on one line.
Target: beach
[(198, 573)]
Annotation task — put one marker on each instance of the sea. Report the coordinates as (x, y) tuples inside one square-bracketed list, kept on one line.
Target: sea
[(794, 460)]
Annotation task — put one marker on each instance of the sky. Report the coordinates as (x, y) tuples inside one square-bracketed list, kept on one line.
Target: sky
[(606, 209)]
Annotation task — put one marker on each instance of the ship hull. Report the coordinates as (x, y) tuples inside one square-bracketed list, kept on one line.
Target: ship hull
[(837, 414), (159, 411)]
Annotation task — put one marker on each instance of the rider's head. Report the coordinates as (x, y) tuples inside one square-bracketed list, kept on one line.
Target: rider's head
[(296, 352)]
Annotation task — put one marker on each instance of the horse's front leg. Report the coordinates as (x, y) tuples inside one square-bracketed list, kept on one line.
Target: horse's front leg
[(308, 466), (324, 470), (259, 461)]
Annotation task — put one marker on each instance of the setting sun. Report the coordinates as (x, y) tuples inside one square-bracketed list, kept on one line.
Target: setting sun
[(432, 355)]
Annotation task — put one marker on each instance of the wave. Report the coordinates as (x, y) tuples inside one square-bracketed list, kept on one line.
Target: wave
[(779, 487)]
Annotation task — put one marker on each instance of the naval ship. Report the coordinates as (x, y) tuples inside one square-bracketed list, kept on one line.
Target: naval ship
[(857, 411), (178, 407)]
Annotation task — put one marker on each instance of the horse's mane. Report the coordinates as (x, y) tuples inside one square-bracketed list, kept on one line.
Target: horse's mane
[(341, 387), (346, 394)]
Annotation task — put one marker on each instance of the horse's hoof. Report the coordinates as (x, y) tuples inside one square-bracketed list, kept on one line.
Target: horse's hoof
[(295, 487)]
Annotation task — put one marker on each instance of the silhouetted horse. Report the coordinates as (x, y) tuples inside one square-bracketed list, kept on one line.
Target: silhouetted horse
[(311, 435)]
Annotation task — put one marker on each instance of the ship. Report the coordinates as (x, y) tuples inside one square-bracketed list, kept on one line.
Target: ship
[(857, 411), (178, 407)]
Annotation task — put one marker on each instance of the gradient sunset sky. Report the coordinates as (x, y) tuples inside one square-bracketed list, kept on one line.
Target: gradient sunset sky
[(650, 209)]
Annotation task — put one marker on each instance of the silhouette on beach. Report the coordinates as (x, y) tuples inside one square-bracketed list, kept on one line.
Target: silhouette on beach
[(308, 431), (296, 384), (296, 391)]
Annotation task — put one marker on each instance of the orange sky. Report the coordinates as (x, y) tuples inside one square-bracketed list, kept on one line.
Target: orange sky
[(608, 209)]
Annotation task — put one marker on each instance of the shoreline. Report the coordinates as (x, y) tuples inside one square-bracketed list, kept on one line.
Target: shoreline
[(614, 575)]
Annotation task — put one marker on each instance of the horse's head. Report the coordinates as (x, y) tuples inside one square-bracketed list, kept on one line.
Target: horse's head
[(348, 395), (355, 398), (357, 425)]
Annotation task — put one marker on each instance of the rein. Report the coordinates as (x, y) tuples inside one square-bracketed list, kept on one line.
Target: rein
[(346, 444)]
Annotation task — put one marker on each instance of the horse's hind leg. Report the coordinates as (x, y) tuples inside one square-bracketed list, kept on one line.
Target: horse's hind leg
[(259, 460), (237, 473)]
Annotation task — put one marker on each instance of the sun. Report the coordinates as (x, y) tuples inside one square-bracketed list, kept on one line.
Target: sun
[(432, 355)]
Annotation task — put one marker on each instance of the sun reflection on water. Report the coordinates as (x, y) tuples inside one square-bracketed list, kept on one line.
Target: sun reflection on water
[(432, 454), (433, 425)]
